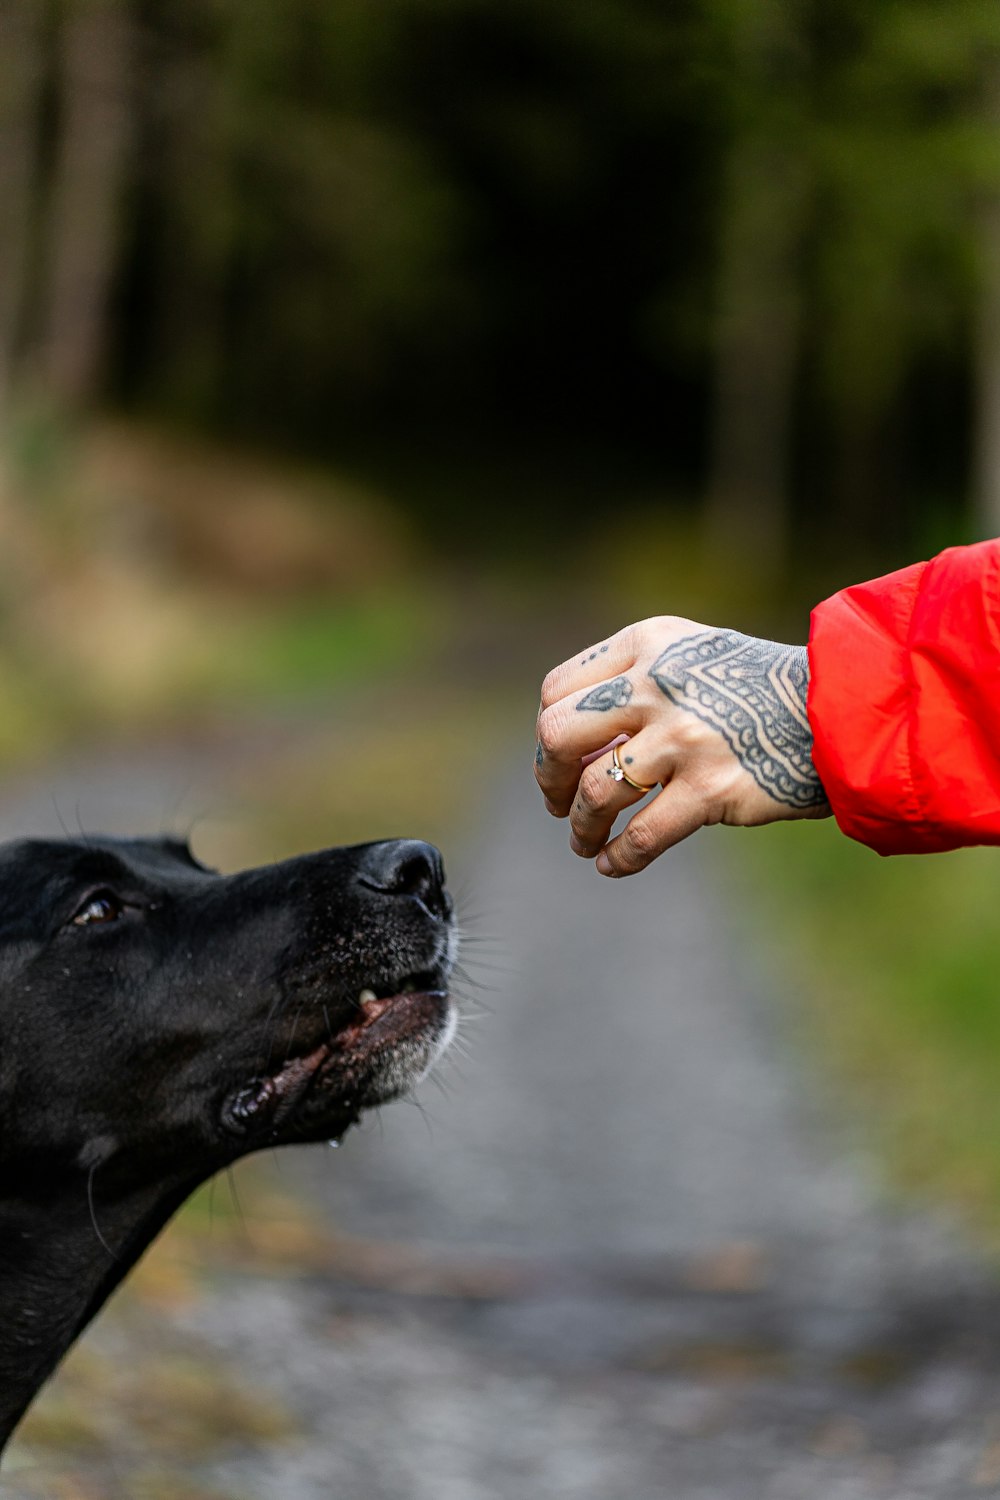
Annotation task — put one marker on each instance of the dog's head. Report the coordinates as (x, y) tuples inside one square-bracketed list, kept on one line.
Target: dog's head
[(159, 1020)]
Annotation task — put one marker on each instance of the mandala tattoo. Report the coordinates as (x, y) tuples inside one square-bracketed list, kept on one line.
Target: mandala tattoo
[(754, 693), (607, 695)]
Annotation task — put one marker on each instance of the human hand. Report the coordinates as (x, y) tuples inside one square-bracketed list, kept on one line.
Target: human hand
[(718, 719)]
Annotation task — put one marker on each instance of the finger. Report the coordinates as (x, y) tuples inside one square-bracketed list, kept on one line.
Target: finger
[(678, 811), (607, 659), (601, 796), (619, 739), (575, 727), (585, 760)]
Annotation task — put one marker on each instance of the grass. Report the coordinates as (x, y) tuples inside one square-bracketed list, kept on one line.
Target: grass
[(899, 961), (230, 660)]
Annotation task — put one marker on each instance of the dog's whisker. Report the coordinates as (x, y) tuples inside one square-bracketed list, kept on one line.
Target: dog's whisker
[(440, 1084), (489, 962), (490, 965), (421, 1109), (473, 1022), (456, 1075), (471, 1008), (295, 1025), (459, 1056), (461, 1049), (271, 1022), (475, 993), (93, 1216), (460, 1030), (472, 994), (237, 1204), (79, 823)]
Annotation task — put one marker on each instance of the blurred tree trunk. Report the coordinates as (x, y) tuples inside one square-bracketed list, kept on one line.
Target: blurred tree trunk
[(986, 475), (199, 175), (95, 57), (758, 303), (21, 68), (747, 510)]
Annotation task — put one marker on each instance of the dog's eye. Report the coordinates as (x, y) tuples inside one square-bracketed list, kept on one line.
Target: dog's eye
[(104, 907)]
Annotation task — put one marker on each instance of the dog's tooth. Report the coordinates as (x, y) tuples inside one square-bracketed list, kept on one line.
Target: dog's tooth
[(365, 996)]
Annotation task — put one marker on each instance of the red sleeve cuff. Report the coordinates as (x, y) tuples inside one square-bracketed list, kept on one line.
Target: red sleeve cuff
[(858, 688), (904, 704)]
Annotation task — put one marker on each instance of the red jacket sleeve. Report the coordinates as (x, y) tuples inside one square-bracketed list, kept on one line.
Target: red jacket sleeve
[(904, 702)]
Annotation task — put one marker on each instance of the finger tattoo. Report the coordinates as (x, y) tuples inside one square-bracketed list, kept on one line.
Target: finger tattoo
[(607, 695), (754, 693), (593, 655)]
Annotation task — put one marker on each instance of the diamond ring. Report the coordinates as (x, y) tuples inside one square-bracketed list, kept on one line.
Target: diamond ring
[(617, 772)]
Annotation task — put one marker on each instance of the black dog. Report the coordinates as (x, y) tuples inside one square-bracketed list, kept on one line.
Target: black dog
[(158, 1020)]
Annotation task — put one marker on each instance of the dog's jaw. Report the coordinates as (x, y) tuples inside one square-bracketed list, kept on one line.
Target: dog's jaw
[(384, 1051)]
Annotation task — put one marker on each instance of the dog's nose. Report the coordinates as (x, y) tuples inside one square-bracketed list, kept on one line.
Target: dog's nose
[(408, 867)]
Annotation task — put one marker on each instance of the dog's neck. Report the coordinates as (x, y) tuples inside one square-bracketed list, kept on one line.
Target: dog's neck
[(56, 1272)]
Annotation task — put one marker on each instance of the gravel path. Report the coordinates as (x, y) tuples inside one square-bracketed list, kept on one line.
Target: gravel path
[(622, 1256)]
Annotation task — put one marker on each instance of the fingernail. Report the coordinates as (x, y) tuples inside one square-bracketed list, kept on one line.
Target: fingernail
[(585, 851), (604, 864), (551, 807)]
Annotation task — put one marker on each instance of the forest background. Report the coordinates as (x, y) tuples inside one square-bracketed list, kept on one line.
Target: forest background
[(742, 257)]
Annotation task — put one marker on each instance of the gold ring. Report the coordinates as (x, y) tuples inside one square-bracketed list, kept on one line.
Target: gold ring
[(617, 772)]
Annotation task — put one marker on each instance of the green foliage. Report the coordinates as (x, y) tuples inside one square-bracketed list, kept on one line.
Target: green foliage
[(901, 146), (897, 962)]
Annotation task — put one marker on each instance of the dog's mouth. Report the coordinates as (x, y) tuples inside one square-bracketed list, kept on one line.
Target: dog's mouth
[(391, 1042)]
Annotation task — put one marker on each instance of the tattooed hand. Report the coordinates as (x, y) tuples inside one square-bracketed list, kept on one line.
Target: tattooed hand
[(718, 719)]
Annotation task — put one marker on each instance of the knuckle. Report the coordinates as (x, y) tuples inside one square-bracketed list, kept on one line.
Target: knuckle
[(648, 639), (549, 731), (659, 630), (633, 636), (640, 841), (550, 687), (694, 742), (592, 792)]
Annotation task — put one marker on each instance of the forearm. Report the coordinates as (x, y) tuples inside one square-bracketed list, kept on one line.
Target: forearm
[(905, 703)]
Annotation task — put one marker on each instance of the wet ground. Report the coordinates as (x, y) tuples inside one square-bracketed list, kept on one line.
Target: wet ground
[(625, 1252)]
